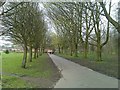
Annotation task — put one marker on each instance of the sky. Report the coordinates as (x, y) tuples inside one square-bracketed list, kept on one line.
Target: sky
[(4, 41)]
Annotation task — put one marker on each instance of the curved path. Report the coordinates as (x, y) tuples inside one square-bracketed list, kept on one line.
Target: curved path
[(77, 76)]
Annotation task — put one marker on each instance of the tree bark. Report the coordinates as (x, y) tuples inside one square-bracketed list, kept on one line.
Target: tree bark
[(99, 53), (86, 44), (71, 52), (35, 53), (40, 51), (30, 54), (59, 50), (76, 49), (99, 46), (62, 49), (24, 57), (86, 49)]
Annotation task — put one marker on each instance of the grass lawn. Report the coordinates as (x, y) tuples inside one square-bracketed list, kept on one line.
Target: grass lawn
[(108, 66), (12, 71)]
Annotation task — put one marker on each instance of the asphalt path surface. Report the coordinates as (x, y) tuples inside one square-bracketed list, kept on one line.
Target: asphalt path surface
[(77, 76)]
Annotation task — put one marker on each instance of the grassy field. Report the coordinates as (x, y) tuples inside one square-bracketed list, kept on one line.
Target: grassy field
[(108, 66), (12, 71)]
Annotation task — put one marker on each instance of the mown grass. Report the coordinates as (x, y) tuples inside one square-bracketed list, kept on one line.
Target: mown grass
[(108, 65), (11, 69), (14, 82)]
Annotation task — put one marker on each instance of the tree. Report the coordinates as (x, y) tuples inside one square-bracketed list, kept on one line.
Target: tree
[(65, 17), (5, 12), (26, 27), (99, 27), (109, 18), (77, 22), (2, 3)]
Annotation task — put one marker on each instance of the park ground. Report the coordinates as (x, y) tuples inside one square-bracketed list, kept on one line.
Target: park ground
[(108, 65), (41, 73)]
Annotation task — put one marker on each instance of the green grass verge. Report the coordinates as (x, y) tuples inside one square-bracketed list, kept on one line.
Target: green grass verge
[(11, 67), (14, 82), (11, 63), (108, 66)]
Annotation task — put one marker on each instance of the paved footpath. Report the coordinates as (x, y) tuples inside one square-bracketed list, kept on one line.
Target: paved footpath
[(77, 76)]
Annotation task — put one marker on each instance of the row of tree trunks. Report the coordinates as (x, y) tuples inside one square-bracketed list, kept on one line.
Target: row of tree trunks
[(37, 52)]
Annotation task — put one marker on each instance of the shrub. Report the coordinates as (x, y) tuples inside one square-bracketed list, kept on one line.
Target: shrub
[(7, 51)]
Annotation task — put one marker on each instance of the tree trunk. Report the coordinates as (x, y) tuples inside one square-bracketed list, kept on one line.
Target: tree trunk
[(86, 48), (59, 50), (62, 49), (40, 51), (35, 53), (76, 49), (85, 52), (43, 49), (30, 54), (71, 52), (24, 57), (99, 53)]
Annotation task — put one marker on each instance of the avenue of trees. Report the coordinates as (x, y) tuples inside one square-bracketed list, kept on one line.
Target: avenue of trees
[(80, 27)]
